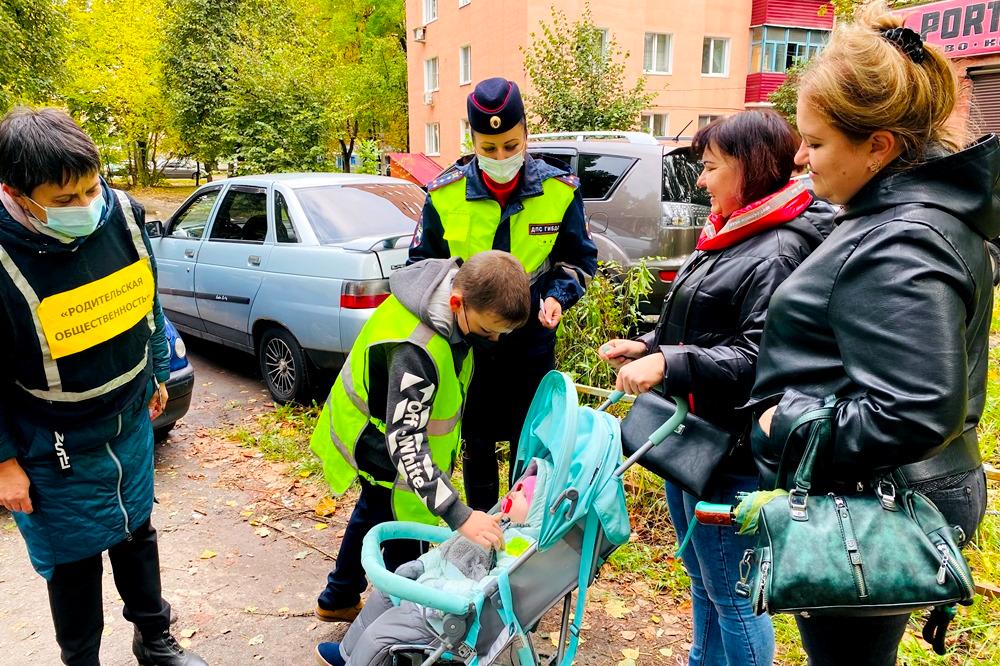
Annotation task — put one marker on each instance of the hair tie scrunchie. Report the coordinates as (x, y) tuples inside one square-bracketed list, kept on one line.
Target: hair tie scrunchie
[(907, 41)]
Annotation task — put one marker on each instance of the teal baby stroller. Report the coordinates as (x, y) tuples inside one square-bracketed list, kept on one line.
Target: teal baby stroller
[(584, 522)]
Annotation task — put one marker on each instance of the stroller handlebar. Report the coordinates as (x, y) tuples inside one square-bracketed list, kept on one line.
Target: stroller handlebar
[(399, 586)]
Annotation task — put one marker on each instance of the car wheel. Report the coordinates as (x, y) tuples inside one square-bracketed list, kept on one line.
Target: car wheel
[(160, 434), (283, 366)]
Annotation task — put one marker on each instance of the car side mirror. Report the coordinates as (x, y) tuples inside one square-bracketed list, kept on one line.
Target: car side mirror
[(154, 228)]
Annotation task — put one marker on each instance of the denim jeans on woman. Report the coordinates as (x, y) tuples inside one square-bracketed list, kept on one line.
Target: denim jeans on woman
[(726, 632), (874, 641)]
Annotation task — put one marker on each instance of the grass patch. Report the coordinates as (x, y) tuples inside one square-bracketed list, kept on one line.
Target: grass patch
[(282, 435)]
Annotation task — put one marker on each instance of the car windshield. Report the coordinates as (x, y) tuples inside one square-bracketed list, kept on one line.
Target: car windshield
[(342, 213), (680, 177)]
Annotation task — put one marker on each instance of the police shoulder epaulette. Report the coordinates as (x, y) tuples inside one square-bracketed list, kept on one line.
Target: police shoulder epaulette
[(445, 179), (569, 179)]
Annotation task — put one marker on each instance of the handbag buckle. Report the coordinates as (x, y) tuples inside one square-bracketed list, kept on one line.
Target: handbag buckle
[(886, 493), (743, 585), (797, 500)]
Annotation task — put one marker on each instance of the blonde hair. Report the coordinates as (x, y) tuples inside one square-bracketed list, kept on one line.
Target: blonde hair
[(862, 83)]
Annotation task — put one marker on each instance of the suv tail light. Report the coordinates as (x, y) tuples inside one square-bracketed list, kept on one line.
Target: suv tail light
[(362, 294), (668, 276)]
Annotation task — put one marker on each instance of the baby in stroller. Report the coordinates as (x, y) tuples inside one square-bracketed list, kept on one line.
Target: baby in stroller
[(455, 566)]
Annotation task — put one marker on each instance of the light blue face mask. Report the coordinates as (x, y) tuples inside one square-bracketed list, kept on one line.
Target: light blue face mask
[(74, 221)]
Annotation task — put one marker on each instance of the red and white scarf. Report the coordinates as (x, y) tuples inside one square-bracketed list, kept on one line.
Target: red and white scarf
[(784, 205)]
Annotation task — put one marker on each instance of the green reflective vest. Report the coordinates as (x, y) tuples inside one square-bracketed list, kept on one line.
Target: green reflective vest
[(469, 226), (345, 414)]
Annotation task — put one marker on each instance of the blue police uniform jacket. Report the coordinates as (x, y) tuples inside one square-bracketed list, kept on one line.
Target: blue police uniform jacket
[(84, 441), (572, 261)]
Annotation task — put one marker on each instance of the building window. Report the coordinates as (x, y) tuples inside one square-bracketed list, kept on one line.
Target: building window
[(465, 137), (432, 138), (776, 49), (656, 58), (715, 57), (463, 3), (430, 75), (464, 64), (430, 10), (656, 123), (605, 41), (704, 120)]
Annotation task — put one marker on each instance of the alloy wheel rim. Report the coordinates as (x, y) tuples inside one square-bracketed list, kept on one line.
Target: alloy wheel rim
[(280, 366)]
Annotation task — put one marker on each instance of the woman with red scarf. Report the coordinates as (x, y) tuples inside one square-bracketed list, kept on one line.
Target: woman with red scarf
[(762, 226)]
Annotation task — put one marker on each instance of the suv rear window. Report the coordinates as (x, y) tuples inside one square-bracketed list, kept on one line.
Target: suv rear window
[(339, 214), (680, 177), (600, 174)]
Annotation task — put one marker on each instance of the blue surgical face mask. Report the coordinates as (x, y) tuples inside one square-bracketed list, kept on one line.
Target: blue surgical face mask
[(74, 221)]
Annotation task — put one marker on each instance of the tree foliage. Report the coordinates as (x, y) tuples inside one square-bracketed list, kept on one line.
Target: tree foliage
[(114, 82), (32, 50), (786, 96), (577, 79)]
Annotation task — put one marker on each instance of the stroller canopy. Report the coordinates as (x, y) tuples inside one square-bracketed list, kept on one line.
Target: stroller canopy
[(584, 447)]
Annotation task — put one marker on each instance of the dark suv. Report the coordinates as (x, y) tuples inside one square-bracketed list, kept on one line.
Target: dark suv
[(640, 196)]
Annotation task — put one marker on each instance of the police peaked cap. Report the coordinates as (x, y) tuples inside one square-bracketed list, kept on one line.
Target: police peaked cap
[(495, 106)]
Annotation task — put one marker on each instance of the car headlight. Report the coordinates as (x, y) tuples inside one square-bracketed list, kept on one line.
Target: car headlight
[(180, 349)]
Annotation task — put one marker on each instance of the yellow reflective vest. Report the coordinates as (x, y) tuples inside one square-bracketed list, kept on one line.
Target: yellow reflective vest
[(346, 414)]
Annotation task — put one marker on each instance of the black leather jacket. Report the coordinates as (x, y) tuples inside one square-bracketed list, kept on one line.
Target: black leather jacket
[(713, 317), (891, 315)]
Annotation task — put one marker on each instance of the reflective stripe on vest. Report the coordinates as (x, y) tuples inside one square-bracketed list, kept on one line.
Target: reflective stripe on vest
[(345, 414), (53, 380), (470, 226)]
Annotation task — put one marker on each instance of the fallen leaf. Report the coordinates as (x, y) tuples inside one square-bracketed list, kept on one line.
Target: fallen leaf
[(207, 554), (626, 662), (301, 555), (666, 652), (615, 608), (630, 653), (655, 619), (320, 526), (262, 532), (188, 633), (325, 507), (184, 643), (251, 609), (629, 635), (305, 474), (256, 640), (231, 503), (108, 629), (284, 610)]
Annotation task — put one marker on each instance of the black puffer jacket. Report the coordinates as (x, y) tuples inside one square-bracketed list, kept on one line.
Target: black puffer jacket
[(713, 317), (891, 315)]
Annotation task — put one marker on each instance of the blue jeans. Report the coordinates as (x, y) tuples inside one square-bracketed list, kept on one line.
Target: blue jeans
[(726, 632)]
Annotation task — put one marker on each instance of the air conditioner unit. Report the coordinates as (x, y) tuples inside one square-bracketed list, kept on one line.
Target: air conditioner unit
[(428, 98), (419, 34)]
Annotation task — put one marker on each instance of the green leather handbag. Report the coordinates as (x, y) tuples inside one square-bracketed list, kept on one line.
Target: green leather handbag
[(883, 551)]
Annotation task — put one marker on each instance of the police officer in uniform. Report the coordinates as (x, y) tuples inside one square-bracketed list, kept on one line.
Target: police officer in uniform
[(84, 355), (504, 199)]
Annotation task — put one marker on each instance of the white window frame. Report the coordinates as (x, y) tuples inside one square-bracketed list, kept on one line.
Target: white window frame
[(725, 56), (464, 132), (427, 75), (430, 10), (464, 77), (432, 135), (605, 41), (709, 117), (649, 122), (670, 52)]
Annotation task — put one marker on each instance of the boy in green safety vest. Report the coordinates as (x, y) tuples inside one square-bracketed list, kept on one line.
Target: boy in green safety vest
[(393, 418)]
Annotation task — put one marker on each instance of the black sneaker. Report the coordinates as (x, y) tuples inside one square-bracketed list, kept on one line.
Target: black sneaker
[(163, 650)]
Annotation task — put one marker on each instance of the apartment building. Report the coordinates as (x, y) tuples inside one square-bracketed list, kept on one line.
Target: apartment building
[(702, 59)]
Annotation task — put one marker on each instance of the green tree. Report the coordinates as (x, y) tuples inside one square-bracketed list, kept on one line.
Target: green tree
[(113, 81), (576, 79), (368, 40), (786, 96), (33, 39), (198, 72)]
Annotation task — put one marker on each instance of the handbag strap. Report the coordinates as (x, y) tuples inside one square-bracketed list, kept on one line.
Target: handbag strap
[(818, 438)]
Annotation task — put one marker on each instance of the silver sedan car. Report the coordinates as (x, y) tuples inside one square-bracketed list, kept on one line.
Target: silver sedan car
[(286, 267)]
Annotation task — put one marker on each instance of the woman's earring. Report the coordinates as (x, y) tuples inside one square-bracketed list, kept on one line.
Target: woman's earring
[(875, 166)]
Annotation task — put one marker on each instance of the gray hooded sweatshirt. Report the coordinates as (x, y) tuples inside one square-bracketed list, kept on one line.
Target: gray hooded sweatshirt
[(402, 379)]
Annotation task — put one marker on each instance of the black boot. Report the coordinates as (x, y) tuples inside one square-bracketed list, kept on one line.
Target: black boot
[(163, 651)]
